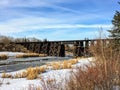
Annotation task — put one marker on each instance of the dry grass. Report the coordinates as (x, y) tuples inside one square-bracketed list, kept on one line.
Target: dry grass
[(51, 84), (3, 57), (73, 61), (5, 75), (30, 73), (17, 75), (104, 75), (55, 65), (33, 87), (95, 77), (42, 55), (30, 55), (41, 69), (24, 74), (33, 72), (66, 64), (27, 55)]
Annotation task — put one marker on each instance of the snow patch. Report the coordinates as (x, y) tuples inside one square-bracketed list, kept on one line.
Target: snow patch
[(11, 54)]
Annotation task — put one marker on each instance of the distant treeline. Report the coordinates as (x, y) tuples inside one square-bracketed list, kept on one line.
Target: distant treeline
[(7, 39), (7, 46)]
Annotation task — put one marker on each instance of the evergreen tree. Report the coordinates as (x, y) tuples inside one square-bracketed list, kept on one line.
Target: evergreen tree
[(115, 31)]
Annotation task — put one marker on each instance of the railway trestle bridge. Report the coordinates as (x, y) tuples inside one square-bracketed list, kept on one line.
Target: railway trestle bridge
[(57, 48)]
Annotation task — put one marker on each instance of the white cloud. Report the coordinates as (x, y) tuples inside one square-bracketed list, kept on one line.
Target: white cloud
[(68, 34), (58, 26), (28, 24), (17, 16), (35, 3)]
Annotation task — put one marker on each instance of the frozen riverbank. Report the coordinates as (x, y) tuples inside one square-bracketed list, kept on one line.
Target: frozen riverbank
[(14, 64)]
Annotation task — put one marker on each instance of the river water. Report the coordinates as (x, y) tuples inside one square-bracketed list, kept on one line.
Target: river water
[(14, 64)]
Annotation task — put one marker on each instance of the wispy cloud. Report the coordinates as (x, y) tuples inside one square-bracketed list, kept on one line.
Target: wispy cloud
[(35, 23), (55, 17)]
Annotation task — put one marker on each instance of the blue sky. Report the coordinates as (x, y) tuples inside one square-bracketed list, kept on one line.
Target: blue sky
[(56, 19)]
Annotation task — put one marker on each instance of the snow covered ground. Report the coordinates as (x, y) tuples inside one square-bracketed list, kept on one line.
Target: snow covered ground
[(23, 84), (54, 76), (11, 54)]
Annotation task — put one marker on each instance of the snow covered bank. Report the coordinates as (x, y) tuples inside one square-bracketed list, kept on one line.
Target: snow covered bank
[(54, 79), (11, 54)]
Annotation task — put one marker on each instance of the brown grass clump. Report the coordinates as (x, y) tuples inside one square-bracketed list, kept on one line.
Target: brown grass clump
[(104, 75), (24, 74), (41, 69), (42, 55), (3, 57), (73, 61), (32, 73), (17, 75), (56, 65), (30, 55), (66, 64), (5, 75), (27, 55)]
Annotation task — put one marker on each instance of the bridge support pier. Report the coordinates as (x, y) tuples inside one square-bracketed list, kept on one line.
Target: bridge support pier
[(78, 49)]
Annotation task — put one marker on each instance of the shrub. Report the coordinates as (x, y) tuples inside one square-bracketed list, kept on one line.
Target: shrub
[(101, 76), (104, 75)]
